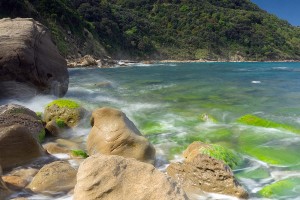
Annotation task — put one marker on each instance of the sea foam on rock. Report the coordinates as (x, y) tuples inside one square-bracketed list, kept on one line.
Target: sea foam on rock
[(29, 58), (114, 134), (115, 177)]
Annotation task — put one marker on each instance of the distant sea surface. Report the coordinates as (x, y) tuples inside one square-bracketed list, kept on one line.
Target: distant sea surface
[(167, 102)]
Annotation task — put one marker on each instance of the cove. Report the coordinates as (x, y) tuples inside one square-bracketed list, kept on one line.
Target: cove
[(167, 103)]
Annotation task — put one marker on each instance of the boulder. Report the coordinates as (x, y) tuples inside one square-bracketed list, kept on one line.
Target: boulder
[(54, 178), (13, 114), (204, 173), (115, 177), (114, 134), (18, 146), (228, 156), (29, 56), (64, 112)]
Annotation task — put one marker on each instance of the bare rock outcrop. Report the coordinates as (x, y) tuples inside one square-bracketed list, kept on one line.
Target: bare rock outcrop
[(29, 60)]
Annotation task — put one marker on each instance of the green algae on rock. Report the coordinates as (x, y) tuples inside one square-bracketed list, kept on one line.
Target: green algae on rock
[(228, 156), (282, 188), (64, 103), (79, 153), (257, 121), (60, 123), (64, 110)]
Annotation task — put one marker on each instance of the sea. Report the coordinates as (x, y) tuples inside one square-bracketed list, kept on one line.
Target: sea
[(174, 104)]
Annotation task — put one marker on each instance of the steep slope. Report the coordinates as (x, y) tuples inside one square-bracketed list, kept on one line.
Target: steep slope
[(163, 29)]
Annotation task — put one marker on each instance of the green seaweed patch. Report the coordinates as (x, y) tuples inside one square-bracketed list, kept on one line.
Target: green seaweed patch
[(60, 123), (64, 103), (228, 156), (79, 153), (257, 121), (42, 135), (151, 127), (282, 188), (258, 173)]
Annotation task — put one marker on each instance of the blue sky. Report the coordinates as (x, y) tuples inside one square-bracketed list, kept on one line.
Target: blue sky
[(284, 9)]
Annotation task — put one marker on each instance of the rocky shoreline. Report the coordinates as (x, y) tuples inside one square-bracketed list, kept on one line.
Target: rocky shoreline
[(116, 158), (90, 61)]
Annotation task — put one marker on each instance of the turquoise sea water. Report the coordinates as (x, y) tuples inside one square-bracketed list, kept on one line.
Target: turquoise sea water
[(166, 102)]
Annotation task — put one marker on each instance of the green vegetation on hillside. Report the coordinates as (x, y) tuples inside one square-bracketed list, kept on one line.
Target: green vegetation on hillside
[(195, 29)]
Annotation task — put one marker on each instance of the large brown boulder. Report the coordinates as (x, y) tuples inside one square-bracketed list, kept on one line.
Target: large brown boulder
[(12, 114), (115, 177), (28, 56), (114, 134), (18, 146), (54, 178), (204, 173)]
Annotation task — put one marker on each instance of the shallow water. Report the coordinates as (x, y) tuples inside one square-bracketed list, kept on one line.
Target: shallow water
[(166, 102)]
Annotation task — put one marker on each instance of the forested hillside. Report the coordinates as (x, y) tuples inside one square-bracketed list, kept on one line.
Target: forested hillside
[(162, 29)]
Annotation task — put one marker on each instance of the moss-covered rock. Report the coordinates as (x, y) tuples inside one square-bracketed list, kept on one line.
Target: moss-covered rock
[(283, 188), (64, 111), (257, 121), (64, 103), (228, 156)]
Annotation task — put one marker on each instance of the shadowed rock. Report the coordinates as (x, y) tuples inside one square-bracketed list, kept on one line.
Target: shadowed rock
[(29, 58)]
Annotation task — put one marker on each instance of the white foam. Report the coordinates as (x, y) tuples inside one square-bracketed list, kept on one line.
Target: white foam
[(256, 82)]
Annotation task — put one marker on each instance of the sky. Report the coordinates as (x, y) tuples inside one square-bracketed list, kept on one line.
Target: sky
[(284, 9)]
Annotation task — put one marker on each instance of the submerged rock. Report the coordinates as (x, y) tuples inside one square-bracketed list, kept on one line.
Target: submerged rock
[(18, 146), (201, 172), (54, 178), (114, 134), (63, 112), (13, 114), (115, 177), (29, 57)]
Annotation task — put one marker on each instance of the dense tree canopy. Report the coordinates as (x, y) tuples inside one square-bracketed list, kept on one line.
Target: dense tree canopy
[(194, 29)]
